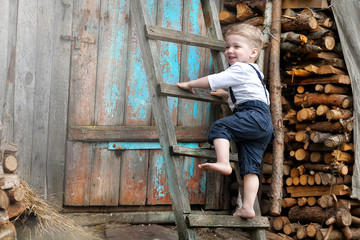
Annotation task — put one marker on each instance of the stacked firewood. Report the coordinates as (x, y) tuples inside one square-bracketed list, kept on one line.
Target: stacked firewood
[(11, 193), (245, 11), (318, 120)]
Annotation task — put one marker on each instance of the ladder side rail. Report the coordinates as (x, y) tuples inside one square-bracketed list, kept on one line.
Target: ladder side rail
[(167, 137)]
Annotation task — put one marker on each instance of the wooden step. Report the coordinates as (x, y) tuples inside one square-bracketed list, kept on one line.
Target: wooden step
[(169, 35), (198, 153), (226, 221), (200, 94)]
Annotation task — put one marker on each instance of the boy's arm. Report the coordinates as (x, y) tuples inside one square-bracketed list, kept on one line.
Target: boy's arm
[(198, 83)]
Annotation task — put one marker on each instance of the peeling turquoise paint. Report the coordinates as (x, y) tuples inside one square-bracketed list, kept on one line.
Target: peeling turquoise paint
[(158, 186)]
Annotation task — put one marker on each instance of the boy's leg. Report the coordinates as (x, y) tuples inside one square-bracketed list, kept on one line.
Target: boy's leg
[(251, 186), (222, 164)]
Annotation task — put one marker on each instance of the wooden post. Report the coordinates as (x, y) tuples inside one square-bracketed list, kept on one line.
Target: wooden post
[(276, 110)]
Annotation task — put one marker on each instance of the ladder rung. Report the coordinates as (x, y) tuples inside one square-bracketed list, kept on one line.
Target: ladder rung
[(169, 35), (226, 221), (200, 94), (198, 153)]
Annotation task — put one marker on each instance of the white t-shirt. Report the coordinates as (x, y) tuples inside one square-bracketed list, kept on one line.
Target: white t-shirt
[(243, 80)]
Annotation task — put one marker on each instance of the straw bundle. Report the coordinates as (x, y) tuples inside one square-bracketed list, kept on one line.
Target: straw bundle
[(48, 223)]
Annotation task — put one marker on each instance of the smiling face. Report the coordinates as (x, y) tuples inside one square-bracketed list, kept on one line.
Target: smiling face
[(239, 49)]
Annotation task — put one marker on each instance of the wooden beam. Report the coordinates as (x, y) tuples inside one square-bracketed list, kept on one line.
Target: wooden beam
[(341, 79), (200, 94), (304, 4), (134, 133), (226, 221), (169, 35)]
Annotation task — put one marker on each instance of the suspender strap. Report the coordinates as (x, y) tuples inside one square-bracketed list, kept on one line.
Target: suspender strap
[(232, 96)]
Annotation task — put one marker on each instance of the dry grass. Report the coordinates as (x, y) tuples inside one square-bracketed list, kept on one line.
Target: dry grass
[(41, 221)]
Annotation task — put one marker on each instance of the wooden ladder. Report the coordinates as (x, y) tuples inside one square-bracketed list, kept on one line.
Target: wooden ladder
[(148, 35)]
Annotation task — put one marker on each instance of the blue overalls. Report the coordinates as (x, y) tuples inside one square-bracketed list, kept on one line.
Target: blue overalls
[(251, 128)]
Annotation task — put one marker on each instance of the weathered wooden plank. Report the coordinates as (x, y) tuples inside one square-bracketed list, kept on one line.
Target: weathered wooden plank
[(134, 176), (341, 79), (4, 61), (105, 175), (135, 164), (58, 105), (226, 221), (163, 34), (82, 90), (112, 62), (200, 94), (84, 63), (157, 187), (44, 58), (8, 42), (78, 174), (134, 217), (25, 84), (200, 153), (195, 180)]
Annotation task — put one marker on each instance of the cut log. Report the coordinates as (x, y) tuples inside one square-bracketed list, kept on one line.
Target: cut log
[(291, 228), (301, 49), (321, 110), (343, 156), (226, 17), (300, 89), (280, 222), (319, 137), (326, 43), (337, 114), (319, 88), (355, 221), (302, 201), (302, 136), (4, 217), (340, 79), (301, 232), (326, 201), (318, 167), (302, 22), (288, 202), (304, 4), (298, 72), (311, 99), (338, 235), (255, 21), (243, 12), (313, 191), (347, 147), (4, 200), (315, 157), (312, 201), (320, 34), (301, 155), (321, 126), (8, 231), (304, 179), (308, 214), (296, 181), (311, 180), (333, 89), (294, 38), (16, 194), (336, 140), (9, 180), (10, 163), (289, 137), (15, 209), (289, 181), (306, 114), (312, 229), (347, 232)]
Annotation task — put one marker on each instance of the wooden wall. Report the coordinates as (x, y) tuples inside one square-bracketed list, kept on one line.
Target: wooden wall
[(77, 88)]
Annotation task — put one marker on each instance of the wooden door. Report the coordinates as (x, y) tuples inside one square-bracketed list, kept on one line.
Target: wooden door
[(109, 106)]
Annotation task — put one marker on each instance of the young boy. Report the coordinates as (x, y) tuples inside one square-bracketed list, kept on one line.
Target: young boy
[(250, 126)]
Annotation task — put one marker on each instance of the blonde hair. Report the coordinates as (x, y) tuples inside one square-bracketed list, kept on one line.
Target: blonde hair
[(250, 32)]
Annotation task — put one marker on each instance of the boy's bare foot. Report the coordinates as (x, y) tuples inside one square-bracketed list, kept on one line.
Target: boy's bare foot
[(244, 213), (216, 167)]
